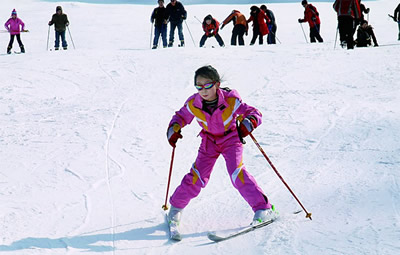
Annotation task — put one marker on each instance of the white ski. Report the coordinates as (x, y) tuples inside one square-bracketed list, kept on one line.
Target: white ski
[(214, 236)]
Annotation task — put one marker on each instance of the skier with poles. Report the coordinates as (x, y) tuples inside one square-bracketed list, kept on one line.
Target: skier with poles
[(396, 18), (272, 27), (13, 25), (216, 110), (240, 27), (347, 11), (211, 27), (160, 24), (311, 16), (60, 21), (176, 14), (260, 21)]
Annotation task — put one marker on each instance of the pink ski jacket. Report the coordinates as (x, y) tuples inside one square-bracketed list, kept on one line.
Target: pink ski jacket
[(12, 25), (221, 125)]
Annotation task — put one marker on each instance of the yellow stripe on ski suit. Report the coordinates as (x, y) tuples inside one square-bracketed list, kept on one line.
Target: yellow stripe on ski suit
[(227, 115), (200, 116), (238, 173)]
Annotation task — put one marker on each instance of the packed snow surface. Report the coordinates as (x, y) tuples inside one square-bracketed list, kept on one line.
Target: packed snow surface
[(85, 160)]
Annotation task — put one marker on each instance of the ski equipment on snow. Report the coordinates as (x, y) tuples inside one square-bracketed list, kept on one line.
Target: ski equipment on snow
[(213, 236), (165, 207)]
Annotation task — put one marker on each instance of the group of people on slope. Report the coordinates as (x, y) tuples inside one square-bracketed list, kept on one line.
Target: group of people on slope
[(174, 13), (15, 26), (350, 15)]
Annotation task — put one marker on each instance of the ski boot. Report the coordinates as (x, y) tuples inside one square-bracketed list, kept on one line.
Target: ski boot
[(170, 44), (182, 43), (261, 216), (9, 50), (174, 219), (154, 47), (65, 48), (56, 48), (22, 48)]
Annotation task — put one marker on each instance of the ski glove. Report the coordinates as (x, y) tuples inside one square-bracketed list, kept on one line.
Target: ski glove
[(247, 126), (173, 134)]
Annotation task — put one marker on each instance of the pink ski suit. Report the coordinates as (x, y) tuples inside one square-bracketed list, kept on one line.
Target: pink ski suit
[(12, 26), (219, 136)]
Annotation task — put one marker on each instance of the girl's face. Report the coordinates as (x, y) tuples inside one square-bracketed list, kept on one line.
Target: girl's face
[(207, 94), (208, 21)]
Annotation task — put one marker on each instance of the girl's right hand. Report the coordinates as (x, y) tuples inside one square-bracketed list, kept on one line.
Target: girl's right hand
[(173, 134)]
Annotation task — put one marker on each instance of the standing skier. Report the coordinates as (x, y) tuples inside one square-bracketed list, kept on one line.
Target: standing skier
[(260, 21), (216, 110), (13, 25), (272, 27), (240, 26), (397, 17), (211, 27), (176, 14), (160, 24), (311, 16), (348, 11), (60, 21)]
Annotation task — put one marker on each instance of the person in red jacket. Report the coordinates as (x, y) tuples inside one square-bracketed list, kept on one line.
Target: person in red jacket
[(348, 11), (311, 16), (260, 21), (211, 27), (239, 27)]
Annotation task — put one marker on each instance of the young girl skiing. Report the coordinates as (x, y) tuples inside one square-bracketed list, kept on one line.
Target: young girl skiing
[(216, 110), (13, 27), (211, 27)]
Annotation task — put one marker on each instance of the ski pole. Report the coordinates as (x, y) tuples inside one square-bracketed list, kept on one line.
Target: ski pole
[(190, 34), (308, 215), (73, 44), (165, 207), (48, 35), (334, 46), (198, 19), (305, 37), (151, 35)]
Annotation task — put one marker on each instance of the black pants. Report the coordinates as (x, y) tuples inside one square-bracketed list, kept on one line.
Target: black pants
[(314, 33), (10, 44), (272, 34), (237, 34), (257, 33), (217, 36), (346, 30)]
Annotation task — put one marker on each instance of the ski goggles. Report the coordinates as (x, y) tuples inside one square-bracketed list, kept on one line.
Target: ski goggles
[(204, 86)]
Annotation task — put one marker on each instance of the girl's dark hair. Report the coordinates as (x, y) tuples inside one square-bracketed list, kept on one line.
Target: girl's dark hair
[(207, 72)]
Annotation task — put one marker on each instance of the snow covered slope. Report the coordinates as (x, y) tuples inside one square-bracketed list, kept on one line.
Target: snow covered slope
[(84, 159)]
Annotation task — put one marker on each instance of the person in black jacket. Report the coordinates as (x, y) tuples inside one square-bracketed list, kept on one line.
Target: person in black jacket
[(364, 35), (60, 21), (397, 17), (176, 14), (160, 24), (271, 39)]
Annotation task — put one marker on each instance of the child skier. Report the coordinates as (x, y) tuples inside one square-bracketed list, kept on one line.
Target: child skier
[(158, 17), (60, 21), (13, 27), (216, 110), (211, 27)]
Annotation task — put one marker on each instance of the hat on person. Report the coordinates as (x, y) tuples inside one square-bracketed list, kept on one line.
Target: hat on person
[(14, 12), (304, 2), (58, 8)]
